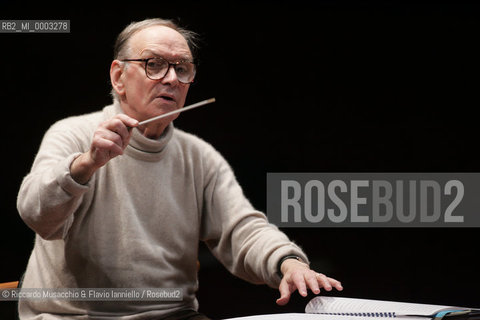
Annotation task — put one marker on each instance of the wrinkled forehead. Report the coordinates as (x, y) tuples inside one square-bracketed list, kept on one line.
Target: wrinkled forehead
[(160, 41)]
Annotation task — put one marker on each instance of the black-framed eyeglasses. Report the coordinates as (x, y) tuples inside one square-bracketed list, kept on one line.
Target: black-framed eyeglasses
[(157, 68)]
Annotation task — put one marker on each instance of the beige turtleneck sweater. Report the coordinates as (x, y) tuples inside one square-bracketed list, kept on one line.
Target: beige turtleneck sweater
[(138, 221)]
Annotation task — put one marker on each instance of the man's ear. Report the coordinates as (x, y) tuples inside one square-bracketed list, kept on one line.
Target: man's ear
[(116, 72)]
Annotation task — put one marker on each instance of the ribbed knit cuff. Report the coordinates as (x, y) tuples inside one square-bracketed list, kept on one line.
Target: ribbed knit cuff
[(65, 179)]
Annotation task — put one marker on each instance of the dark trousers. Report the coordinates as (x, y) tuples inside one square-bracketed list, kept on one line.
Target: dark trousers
[(186, 315)]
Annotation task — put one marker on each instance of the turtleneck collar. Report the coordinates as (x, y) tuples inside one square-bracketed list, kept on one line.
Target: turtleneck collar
[(141, 147)]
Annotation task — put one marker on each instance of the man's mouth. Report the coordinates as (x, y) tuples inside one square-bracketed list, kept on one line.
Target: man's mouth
[(166, 97)]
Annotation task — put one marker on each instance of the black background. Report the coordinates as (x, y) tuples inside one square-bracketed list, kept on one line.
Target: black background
[(326, 86)]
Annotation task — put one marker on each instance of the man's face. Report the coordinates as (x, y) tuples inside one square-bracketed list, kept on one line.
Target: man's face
[(145, 98)]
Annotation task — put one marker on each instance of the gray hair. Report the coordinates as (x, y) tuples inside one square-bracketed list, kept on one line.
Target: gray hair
[(121, 49)]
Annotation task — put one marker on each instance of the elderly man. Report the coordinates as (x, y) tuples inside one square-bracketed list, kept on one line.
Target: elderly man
[(119, 205)]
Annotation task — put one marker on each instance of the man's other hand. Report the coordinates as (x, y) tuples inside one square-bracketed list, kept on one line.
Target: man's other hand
[(298, 276)]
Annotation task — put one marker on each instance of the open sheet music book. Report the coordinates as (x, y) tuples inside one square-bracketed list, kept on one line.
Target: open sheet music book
[(333, 308), (374, 308)]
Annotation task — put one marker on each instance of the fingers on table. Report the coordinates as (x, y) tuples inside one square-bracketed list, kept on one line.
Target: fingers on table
[(314, 281)]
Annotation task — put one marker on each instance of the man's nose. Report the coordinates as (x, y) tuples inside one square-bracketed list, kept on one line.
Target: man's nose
[(171, 76)]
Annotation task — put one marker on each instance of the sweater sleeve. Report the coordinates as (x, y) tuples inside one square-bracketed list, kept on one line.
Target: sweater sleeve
[(237, 234), (48, 195)]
